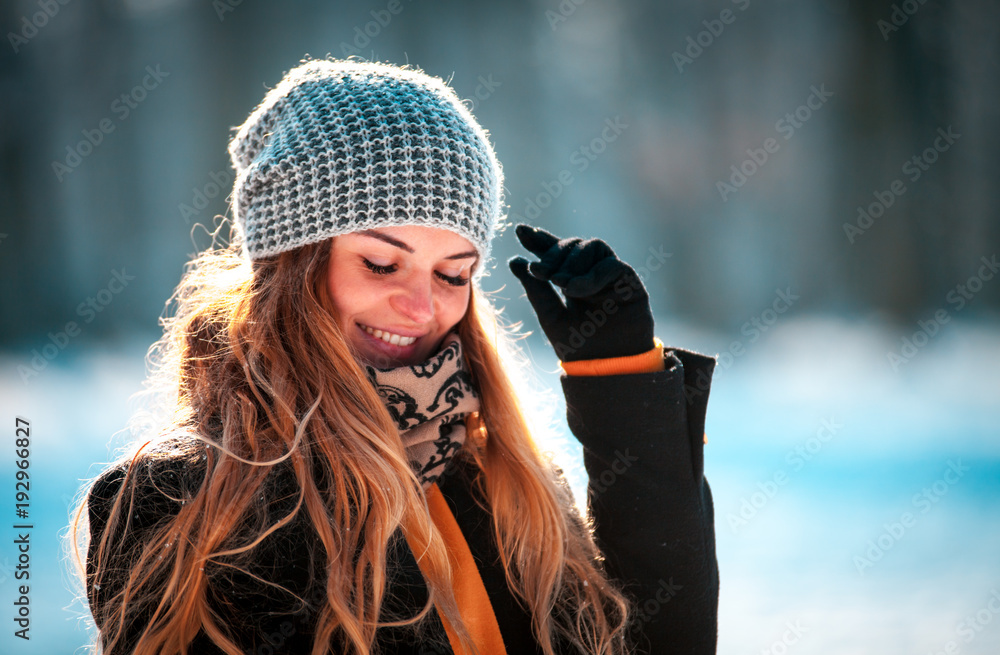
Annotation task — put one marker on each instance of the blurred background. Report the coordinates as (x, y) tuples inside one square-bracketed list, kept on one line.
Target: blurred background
[(808, 189)]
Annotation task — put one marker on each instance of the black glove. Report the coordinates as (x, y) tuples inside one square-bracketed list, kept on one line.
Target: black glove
[(606, 313)]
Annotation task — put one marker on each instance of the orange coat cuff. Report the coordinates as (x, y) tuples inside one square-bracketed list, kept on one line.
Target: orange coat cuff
[(647, 362)]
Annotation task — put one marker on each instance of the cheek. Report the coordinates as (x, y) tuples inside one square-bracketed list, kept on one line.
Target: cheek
[(455, 304), (357, 297), (351, 293)]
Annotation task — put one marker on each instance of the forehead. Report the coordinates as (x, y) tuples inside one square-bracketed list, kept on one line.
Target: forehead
[(415, 239)]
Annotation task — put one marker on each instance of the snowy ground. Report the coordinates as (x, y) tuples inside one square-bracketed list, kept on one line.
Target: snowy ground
[(879, 532)]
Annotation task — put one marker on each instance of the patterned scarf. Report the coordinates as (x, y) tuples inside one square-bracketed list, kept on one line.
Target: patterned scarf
[(429, 402)]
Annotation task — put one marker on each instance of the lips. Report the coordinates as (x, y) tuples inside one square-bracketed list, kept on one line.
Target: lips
[(391, 338)]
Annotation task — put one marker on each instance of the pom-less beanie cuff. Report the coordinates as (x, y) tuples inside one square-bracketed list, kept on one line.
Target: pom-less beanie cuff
[(342, 146)]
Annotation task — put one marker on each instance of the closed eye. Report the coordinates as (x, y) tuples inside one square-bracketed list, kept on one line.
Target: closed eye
[(455, 281), (378, 270)]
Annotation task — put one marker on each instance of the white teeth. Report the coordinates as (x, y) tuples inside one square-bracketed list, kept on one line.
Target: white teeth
[(394, 339)]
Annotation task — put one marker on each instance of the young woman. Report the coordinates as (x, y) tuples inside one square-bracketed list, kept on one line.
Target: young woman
[(347, 467)]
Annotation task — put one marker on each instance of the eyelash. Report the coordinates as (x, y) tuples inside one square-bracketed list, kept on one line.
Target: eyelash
[(385, 270)]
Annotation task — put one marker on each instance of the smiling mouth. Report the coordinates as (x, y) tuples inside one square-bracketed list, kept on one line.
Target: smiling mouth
[(389, 337)]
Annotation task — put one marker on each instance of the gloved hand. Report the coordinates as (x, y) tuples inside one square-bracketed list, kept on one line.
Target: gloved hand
[(606, 313)]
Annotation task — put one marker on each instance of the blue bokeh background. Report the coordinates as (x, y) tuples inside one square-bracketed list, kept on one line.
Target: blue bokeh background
[(812, 551)]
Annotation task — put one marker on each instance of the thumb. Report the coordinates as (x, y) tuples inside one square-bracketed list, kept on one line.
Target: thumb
[(541, 294)]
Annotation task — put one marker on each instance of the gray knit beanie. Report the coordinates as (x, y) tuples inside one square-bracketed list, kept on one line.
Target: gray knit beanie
[(343, 146)]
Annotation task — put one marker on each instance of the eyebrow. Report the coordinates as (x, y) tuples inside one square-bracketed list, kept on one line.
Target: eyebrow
[(402, 246)]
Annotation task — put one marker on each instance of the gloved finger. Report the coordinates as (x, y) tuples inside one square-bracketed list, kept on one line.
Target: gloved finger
[(605, 273), (555, 257), (581, 260), (543, 297), (536, 240)]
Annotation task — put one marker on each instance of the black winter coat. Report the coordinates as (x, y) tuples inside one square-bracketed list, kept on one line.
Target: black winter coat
[(642, 436)]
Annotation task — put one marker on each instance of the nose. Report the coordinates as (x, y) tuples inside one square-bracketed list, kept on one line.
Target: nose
[(415, 298)]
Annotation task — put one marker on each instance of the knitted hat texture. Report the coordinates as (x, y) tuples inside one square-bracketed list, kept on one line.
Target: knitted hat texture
[(342, 146)]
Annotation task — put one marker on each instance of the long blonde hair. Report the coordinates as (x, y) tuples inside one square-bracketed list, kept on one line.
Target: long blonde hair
[(260, 374)]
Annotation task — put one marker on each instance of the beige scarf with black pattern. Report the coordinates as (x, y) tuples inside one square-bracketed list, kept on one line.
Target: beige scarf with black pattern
[(429, 402)]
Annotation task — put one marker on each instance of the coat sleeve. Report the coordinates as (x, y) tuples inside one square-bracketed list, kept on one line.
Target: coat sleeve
[(643, 441), (148, 499), (260, 618), (125, 543)]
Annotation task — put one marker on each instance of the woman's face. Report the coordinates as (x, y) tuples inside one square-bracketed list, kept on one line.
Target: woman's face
[(400, 290)]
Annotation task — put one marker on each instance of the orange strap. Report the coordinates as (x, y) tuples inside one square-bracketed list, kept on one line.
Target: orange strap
[(470, 593), (647, 362)]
